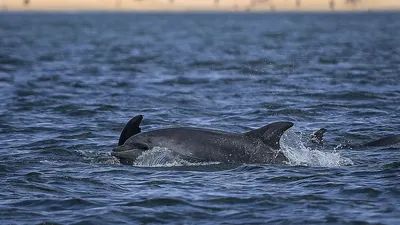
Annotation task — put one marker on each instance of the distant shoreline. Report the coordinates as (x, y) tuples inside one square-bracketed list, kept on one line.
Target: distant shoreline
[(176, 6), (197, 11)]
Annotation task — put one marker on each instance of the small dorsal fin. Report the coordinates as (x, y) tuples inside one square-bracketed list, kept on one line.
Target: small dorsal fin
[(317, 138), (130, 129), (271, 133)]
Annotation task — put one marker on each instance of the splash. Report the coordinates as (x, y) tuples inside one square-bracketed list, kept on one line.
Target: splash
[(164, 157), (298, 154)]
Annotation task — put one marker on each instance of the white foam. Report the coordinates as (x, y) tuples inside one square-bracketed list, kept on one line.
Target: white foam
[(164, 157), (298, 154)]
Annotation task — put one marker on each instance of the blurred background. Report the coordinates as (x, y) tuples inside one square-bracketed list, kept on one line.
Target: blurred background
[(201, 5)]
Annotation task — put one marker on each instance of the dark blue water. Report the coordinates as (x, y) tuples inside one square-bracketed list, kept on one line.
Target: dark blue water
[(70, 82)]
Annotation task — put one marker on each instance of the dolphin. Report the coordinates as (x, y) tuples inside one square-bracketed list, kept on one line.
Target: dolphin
[(204, 145), (317, 141), (390, 140)]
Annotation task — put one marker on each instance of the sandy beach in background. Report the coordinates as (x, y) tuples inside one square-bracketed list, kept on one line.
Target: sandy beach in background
[(198, 5)]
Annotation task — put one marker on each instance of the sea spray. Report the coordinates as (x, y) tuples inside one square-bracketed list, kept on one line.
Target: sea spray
[(298, 154)]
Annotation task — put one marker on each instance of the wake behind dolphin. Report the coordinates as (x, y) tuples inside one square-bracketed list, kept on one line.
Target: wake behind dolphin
[(204, 145)]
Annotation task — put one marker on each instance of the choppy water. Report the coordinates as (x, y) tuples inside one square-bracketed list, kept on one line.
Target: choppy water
[(70, 82)]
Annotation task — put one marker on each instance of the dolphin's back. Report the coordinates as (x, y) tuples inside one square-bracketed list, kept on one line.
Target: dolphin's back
[(205, 144), (257, 146), (386, 141)]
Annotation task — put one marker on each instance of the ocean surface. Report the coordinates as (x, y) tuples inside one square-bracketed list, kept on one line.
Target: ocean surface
[(69, 83)]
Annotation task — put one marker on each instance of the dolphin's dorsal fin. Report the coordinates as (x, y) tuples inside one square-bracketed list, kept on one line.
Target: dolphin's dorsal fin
[(271, 133), (317, 138), (130, 129)]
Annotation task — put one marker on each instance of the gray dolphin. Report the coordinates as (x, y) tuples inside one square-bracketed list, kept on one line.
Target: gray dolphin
[(317, 141), (204, 145)]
